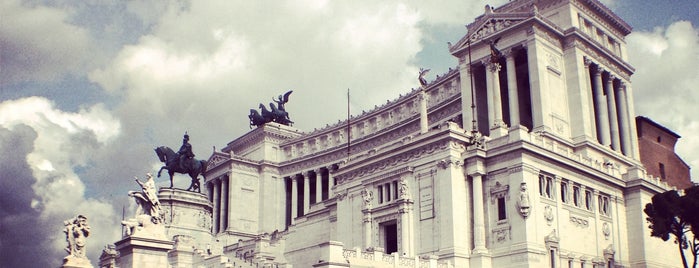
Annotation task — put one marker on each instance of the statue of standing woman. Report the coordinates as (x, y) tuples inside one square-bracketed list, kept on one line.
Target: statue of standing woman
[(77, 230)]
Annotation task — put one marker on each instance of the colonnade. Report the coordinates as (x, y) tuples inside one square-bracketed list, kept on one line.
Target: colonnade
[(307, 188), (613, 119), (219, 191), (497, 125)]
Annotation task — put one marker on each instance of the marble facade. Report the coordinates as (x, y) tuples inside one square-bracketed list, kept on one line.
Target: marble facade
[(555, 181)]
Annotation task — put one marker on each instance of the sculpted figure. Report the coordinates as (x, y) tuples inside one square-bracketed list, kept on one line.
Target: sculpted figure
[(368, 196), (495, 54), (185, 151), (421, 77), (182, 162), (523, 203), (148, 212), (76, 230), (403, 191)]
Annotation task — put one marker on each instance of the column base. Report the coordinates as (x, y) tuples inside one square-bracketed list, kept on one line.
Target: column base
[(480, 258), (498, 130)]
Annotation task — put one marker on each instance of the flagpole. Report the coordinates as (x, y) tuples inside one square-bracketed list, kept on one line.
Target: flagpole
[(348, 125)]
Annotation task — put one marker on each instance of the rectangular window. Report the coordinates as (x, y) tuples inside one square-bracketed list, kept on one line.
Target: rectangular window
[(502, 212), (380, 190), (387, 186), (588, 200), (542, 185), (395, 190), (576, 196), (546, 186), (661, 167), (549, 187), (603, 205), (564, 192), (553, 258)]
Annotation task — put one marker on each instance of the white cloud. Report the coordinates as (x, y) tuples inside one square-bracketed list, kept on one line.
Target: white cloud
[(206, 60), (39, 44), (64, 141), (665, 83)]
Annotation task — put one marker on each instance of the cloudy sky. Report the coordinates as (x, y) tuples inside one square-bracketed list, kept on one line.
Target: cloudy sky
[(89, 88)]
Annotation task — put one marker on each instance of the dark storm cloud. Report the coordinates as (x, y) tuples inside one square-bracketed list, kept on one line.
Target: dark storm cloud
[(23, 237)]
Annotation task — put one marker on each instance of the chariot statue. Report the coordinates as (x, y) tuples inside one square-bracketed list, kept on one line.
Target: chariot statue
[(276, 113)]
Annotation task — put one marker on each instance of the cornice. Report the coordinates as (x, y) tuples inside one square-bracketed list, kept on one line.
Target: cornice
[(579, 40), (604, 16), (395, 159)]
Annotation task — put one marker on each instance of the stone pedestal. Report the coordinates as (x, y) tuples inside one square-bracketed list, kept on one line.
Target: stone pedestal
[(186, 214), (143, 252), (73, 262)]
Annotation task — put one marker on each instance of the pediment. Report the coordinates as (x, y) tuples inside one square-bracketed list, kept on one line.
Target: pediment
[(488, 25), (216, 159)]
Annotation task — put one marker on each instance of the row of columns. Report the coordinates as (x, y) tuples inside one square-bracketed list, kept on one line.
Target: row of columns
[(496, 123), (219, 190), (612, 116), (320, 175)]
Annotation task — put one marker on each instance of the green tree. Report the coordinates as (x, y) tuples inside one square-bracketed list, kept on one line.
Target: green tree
[(673, 215)]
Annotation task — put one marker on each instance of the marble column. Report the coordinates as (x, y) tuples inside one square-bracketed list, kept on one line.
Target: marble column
[(590, 96), (478, 215), (512, 89), (294, 199), (493, 76), (331, 183), (319, 185), (624, 119), (611, 109), (366, 225), (601, 102), (217, 197), (406, 233), (467, 108), (424, 124), (229, 217), (306, 193), (223, 218)]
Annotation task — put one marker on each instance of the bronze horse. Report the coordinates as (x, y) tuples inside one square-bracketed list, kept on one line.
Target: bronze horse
[(171, 160)]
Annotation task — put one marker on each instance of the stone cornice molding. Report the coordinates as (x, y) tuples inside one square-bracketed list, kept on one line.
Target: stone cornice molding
[(389, 175), (395, 137), (395, 160), (604, 16), (547, 34), (449, 162), (603, 57)]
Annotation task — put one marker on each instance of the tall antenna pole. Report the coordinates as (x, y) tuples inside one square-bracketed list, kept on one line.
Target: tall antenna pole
[(348, 125)]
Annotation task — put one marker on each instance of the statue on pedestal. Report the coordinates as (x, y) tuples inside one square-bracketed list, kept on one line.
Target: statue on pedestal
[(148, 212), (277, 113), (77, 230), (421, 77), (182, 162)]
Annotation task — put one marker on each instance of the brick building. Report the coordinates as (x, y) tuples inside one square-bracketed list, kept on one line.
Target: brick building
[(657, 150)]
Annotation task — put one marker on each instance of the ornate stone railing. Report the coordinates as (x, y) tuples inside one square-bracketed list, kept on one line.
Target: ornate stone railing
[(380, 259), (381, 118)]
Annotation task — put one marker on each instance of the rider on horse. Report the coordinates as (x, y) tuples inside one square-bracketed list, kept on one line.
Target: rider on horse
[(185, 151)]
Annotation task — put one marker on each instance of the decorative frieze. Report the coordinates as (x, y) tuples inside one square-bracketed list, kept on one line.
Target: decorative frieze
[(580, 222), (548, 215), (502, 234)]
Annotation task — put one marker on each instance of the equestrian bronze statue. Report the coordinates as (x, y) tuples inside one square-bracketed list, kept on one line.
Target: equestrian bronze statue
[(182, 162)]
